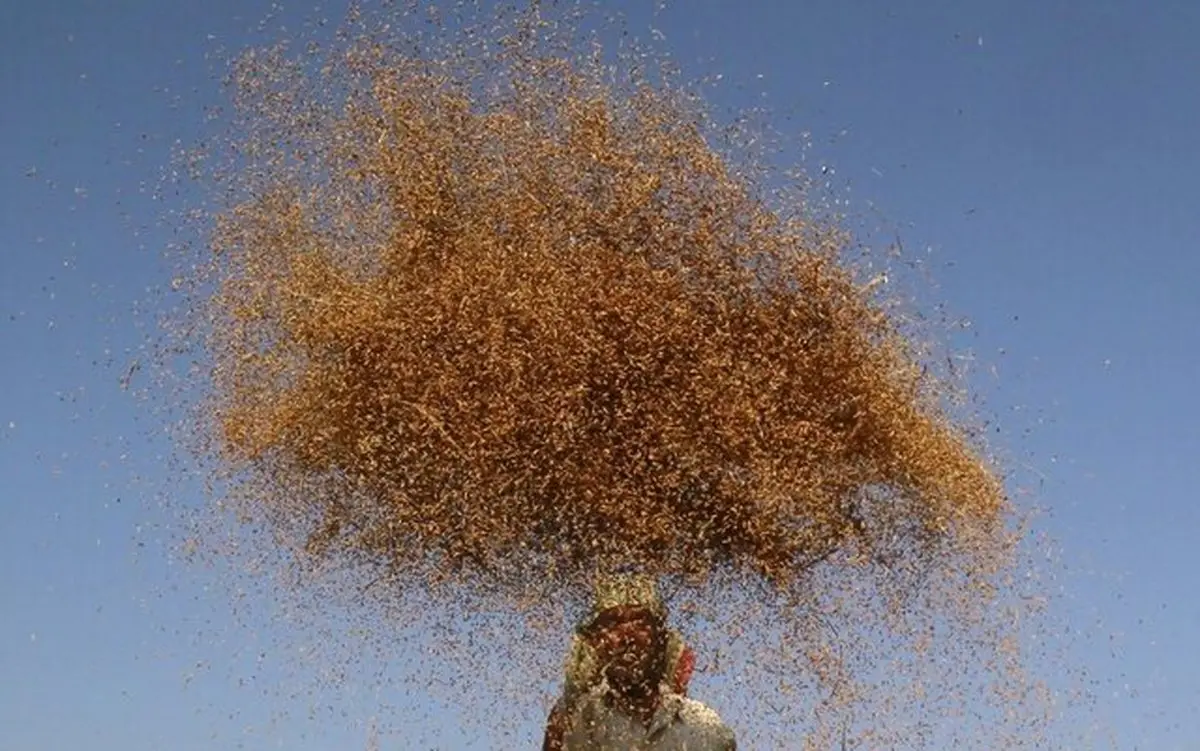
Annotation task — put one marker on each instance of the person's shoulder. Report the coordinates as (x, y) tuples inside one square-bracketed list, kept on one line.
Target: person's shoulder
[(697, 713), (705, 720)]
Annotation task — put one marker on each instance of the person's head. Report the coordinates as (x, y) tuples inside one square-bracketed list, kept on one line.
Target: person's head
[(627, 634), (630, 647)]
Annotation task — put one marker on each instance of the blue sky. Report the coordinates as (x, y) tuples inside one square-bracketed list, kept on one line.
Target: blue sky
[(1040, 155)]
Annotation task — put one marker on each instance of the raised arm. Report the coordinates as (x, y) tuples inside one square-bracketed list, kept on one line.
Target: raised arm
[(556, 728)]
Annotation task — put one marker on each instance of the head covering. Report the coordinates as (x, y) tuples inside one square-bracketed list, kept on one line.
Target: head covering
[(625, 590)]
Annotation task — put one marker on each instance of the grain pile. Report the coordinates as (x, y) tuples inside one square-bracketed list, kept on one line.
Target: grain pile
[(477, 302), (495, 311)]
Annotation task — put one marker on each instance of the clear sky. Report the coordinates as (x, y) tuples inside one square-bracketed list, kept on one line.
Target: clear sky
[(1043, 151)]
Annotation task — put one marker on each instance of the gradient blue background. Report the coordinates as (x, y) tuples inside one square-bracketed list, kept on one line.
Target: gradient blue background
[(1042, 156)]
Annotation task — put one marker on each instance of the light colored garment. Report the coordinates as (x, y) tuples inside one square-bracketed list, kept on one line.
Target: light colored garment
[(680, 724)]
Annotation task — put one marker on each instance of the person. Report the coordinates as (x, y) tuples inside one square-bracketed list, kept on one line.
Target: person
[(627, 678)]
